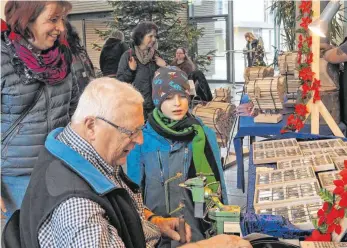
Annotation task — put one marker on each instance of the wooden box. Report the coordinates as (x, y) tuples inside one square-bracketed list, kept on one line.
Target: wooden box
[(264, 179), (265, 152), (326, 179), (301, 215), (282, 195), (321, 162)]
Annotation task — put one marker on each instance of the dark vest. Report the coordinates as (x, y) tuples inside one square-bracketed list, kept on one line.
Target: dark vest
[(62, 173)]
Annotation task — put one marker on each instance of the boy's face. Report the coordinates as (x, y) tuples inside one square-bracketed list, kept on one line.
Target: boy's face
[(175, 106)]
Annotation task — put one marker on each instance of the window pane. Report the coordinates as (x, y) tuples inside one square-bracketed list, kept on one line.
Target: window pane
[(214, 39), (210, 8)]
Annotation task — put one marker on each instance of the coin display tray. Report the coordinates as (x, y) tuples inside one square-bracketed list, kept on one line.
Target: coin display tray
[(265, 152), (333, 147), (264, 179), (323, 244), (301, 215), (339, 162), (318, 162), (321, 144), (326, 179), (280, 195)]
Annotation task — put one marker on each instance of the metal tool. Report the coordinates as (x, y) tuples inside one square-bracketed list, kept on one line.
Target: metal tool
[(226, 218), (166, 189)]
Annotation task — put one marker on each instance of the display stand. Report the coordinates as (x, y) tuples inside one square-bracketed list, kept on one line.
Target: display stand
[(317, 107)]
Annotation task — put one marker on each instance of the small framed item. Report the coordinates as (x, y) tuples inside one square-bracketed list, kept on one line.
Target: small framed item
[(301, 215), (339, 162), (272, 151), (322, 162), (326, 179), (321, 144), (264, 179), (322, 244), (333, 147), (279, 195)]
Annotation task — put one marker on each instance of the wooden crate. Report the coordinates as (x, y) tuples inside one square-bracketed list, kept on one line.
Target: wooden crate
[(257, 72), (321, 162), (282, 195), (267, 93), (264, 179), (287, 63), (326, 179), (265, 152), (301, 215), (222, 95)]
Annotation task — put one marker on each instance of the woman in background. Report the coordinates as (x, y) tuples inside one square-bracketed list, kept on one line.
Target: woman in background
[(183, 62), (38, 92), (256, 56), (138, 65)]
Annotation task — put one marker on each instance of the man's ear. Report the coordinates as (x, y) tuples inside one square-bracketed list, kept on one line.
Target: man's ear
[(89, 124)]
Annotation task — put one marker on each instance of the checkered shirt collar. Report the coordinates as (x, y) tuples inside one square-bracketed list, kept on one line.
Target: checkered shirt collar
[(76, 142)]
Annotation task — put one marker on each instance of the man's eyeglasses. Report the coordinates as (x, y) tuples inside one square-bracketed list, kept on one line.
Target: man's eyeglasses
[(131, 134)]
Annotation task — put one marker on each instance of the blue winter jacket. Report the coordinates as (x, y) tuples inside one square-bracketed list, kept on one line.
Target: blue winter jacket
[(151, 160)]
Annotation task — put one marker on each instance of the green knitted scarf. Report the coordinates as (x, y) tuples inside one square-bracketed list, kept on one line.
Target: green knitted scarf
[(189, 129)]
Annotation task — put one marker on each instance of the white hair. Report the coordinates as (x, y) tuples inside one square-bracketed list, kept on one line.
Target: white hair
[(108, 98)]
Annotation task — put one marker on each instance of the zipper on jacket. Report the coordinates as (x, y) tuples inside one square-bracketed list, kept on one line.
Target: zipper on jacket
[(161, 169), (185, 161), (49, 128)]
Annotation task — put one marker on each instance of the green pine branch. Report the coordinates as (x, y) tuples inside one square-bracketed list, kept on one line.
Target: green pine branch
[(326, 196)]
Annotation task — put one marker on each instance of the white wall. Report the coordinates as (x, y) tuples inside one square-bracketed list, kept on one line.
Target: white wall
[(2, 12)]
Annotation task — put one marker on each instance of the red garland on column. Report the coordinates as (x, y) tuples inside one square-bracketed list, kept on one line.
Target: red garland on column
[(309, 85)]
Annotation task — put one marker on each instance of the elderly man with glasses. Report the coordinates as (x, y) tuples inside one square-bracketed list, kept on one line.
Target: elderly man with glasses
[(79, 196)]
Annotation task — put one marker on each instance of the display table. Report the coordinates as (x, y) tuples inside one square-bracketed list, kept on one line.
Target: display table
[(247, 127), (273, 225)]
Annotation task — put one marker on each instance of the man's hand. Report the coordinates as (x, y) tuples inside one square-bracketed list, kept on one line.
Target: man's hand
[(159, 61), (168, 227), (220, 241)]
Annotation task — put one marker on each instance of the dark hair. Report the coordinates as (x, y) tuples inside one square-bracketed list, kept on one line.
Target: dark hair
[(19, 14), (73, 39), (183, 49), (141, 30)]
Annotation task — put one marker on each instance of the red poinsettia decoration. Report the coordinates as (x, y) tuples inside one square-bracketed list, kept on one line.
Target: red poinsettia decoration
[(301, 109), (305, 6), (306, 75), (305, 21), (309, 41), (309, 58), (332, 211), (3, 26), (317, 236), (305, 89)]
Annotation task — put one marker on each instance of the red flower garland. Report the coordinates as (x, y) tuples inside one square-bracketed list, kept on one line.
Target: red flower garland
[(332, 212), (309, 85)]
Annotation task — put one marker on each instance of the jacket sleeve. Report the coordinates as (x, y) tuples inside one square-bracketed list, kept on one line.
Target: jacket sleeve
[(124, 73), (135, 166), (75, 95), (212, 138)]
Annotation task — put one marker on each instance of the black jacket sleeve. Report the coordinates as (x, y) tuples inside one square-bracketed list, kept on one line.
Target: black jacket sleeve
[(124, 73)]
